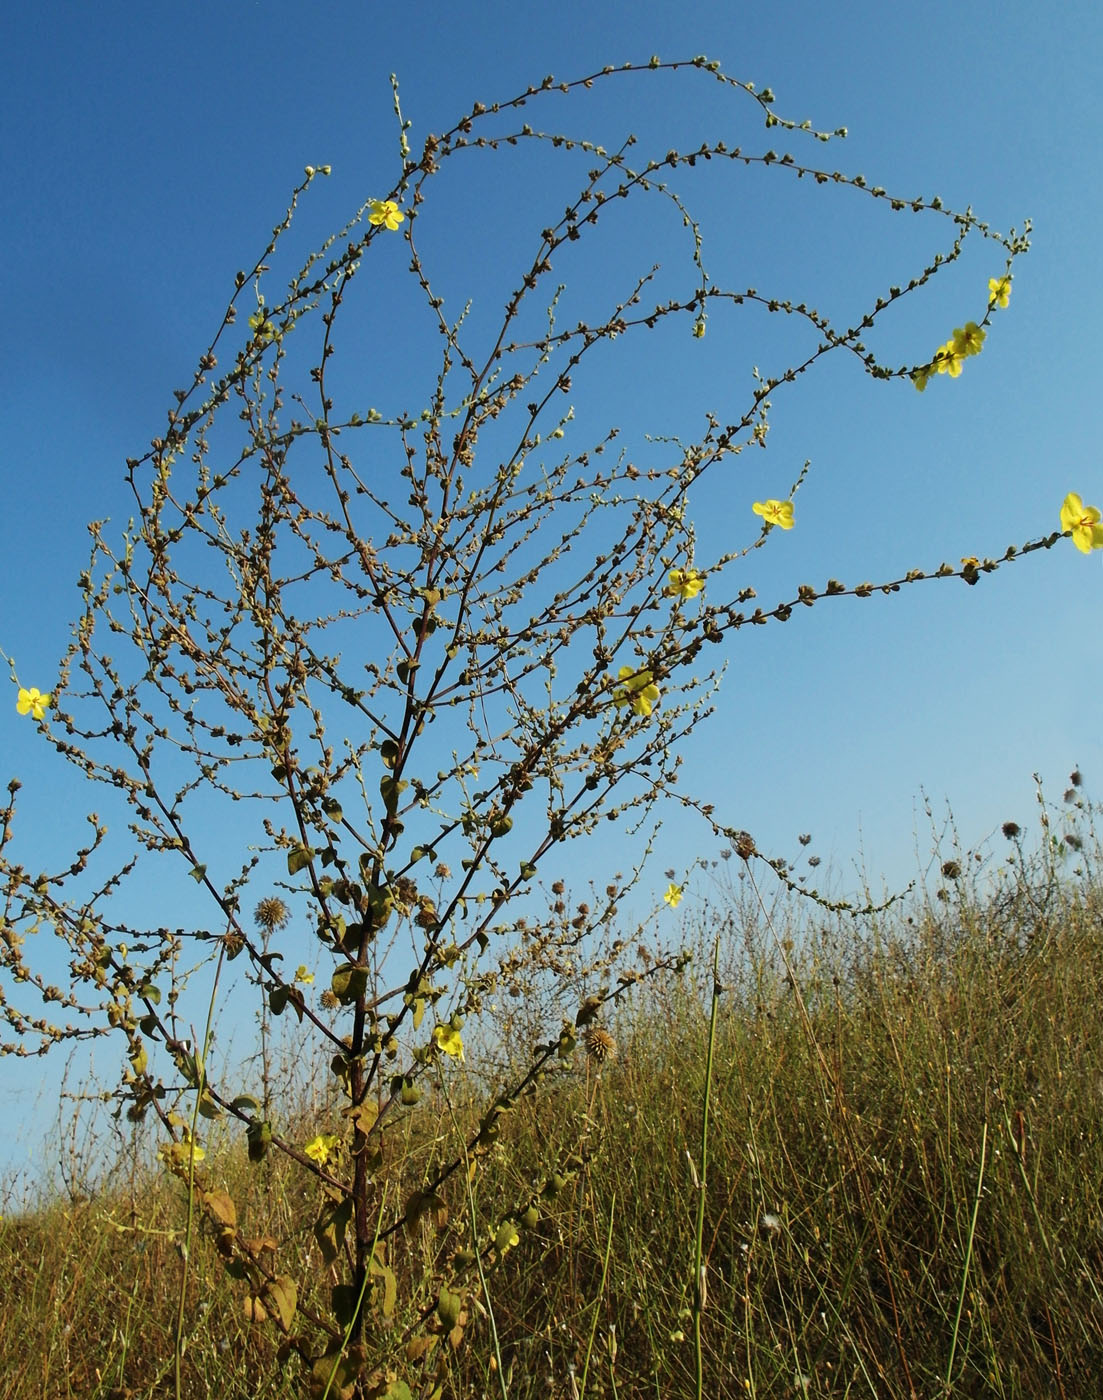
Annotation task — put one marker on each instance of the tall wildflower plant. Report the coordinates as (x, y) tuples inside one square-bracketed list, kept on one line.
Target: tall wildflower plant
[(405, 658)]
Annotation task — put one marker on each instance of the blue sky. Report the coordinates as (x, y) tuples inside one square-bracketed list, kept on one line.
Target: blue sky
[(148, 152)]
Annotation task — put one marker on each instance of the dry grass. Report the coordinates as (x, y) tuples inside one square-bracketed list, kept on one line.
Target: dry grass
[(903, 1195)]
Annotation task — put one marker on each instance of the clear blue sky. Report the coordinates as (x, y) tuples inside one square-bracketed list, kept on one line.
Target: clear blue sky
[(148, 151)]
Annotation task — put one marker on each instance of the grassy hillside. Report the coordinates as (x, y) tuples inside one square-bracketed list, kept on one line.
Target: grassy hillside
[(901, 1194)]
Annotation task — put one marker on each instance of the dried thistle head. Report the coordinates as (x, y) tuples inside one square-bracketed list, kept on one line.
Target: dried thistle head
[(600, 1045), (404, 894), (271, 914), (329, 1000)]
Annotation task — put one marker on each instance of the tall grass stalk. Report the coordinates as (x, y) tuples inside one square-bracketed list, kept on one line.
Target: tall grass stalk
[(968, 1258), (700, 1287), (200, 1060), (599, 1299)]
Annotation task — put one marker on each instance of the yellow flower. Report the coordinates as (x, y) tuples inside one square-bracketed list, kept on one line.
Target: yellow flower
[(384, 213), (449, 1041), (673, 895), (1083, 521), (303, 975), (699, 328), (921, 376), (637, 689), (949, 359), (999, 289), (969, 339), (264, 328), (684, 583), (176, 1154), (775, 513), (321, 1148), (32, 702)]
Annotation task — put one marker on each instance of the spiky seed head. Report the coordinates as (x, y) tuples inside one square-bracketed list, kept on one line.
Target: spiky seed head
[(271, 914), (600, 1045)]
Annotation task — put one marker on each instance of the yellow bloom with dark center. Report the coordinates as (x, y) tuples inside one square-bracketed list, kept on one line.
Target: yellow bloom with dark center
[(384, 213), (637, 689), (1083, 522), (448, 1041), (321, 1148), (949, 359), (259, 322), (778, 513), (684, 583), (999, 289), (969, 339), (32, 702)]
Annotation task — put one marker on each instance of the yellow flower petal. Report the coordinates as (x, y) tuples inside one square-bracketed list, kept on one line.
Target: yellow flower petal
[(320, 1148), (778, 513), (638, 690), (673, 895), (999, 289), (32, 702), (449, 1041), (384, 213), (684, 583), (1083, 522)]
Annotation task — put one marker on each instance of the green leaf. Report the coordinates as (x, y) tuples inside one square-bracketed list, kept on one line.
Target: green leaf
[(245, 1103), (330, 1228), (388, 752), (298, 859), (277, 1000), (221, 1206), (284, 1294), (334, 1375), (198, 872), (349, 982), (332, 808), (343, 1301), (448, 1308), (391, 790), (259, 1137), (390, 1286)]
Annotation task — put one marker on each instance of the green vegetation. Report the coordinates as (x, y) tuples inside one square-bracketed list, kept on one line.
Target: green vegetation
[(903, 1188)]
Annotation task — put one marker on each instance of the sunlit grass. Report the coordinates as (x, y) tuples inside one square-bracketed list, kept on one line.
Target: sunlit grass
[(903, 1194)]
